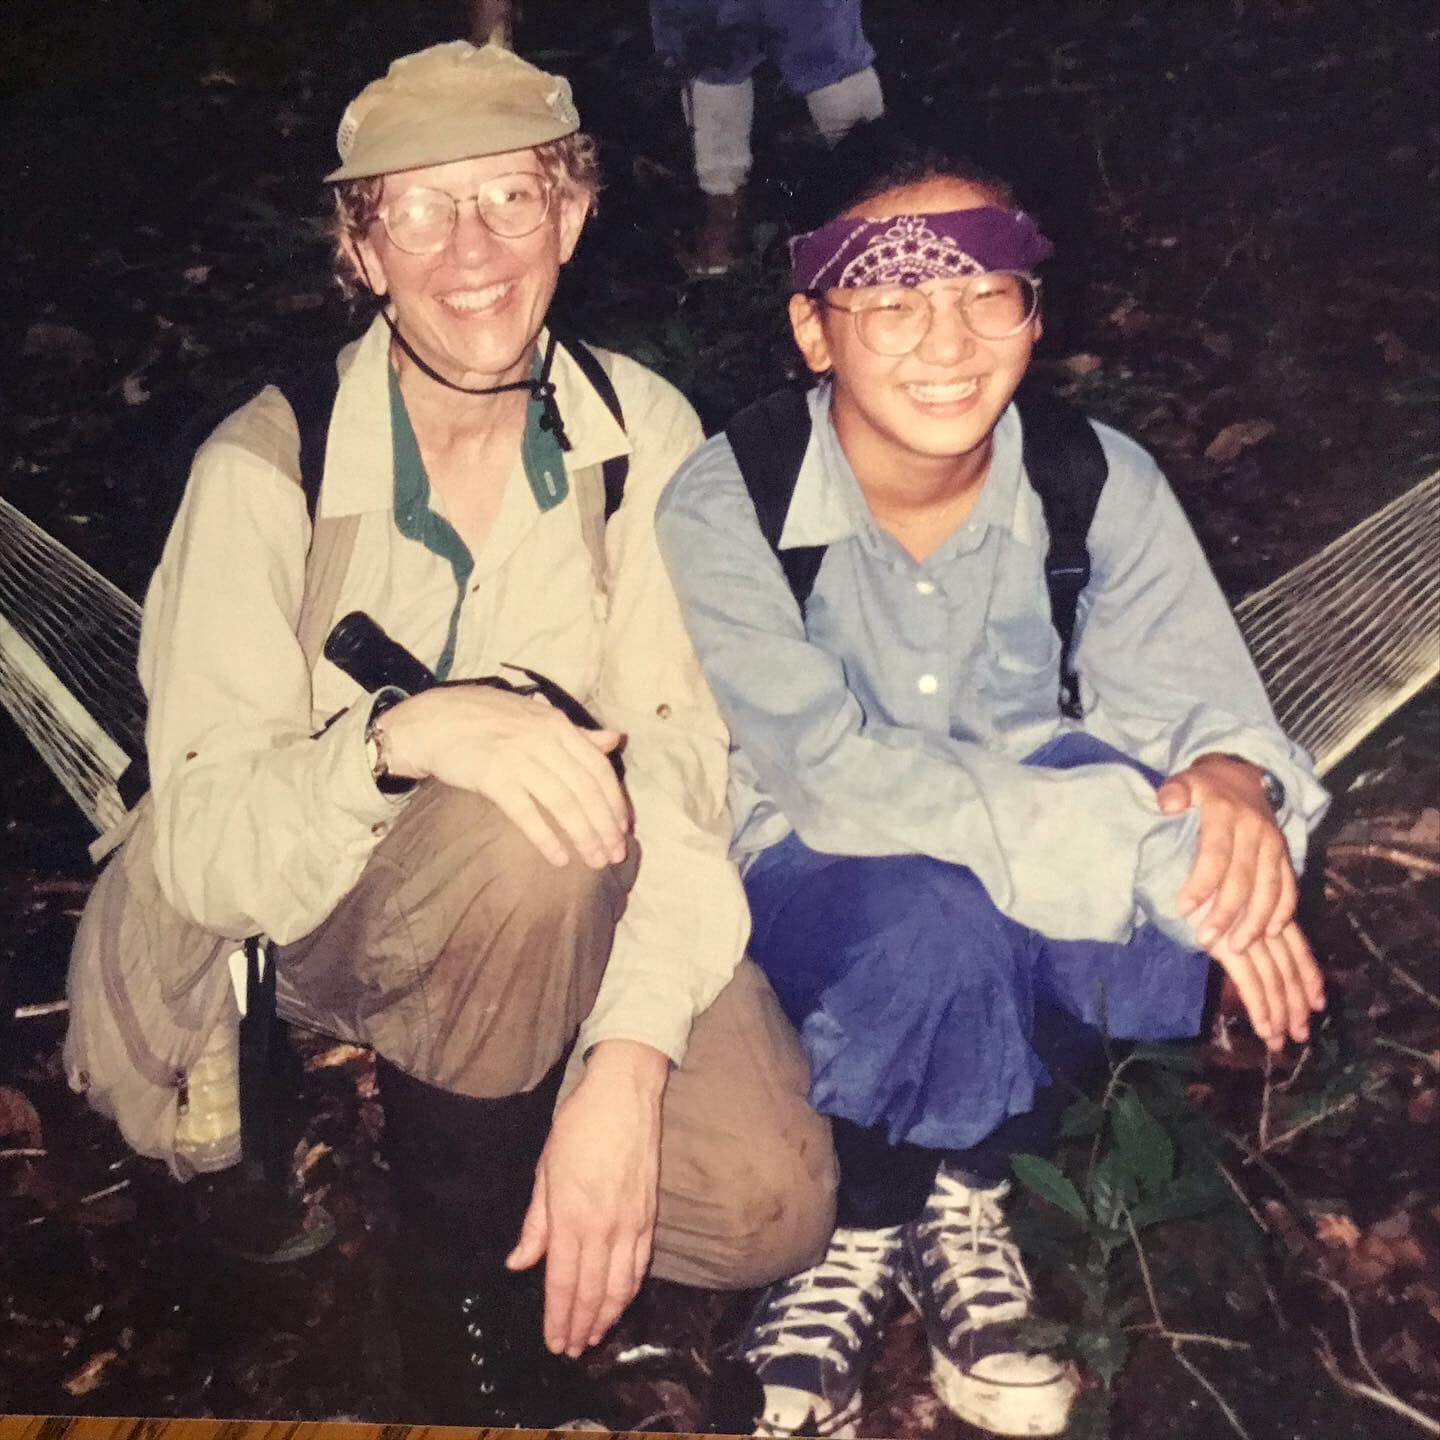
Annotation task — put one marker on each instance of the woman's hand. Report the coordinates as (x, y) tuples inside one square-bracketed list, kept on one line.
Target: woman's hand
[(1279, 983), (548, 776), (1242, 869), (592, 1212)]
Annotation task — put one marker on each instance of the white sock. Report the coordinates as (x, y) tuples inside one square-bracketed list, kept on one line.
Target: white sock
[(720, 118), (835, 108)]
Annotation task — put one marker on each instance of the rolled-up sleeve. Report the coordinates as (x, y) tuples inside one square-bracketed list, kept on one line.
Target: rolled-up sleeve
[(686, 923), (262, 826), (1166, 672)]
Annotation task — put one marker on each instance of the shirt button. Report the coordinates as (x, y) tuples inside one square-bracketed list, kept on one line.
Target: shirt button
[(380, 830), (925, 587), (927, 684), (663, 711)]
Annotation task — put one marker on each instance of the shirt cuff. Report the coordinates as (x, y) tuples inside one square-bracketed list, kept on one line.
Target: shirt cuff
[(347, 779), (1164, 861), (658, 1020)]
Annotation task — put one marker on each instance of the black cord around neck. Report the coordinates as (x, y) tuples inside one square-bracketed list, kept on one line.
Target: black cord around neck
[(541, 388)]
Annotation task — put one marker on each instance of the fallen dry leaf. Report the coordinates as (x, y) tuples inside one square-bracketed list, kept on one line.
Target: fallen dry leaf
[(311, 1158), (1393, 350), (1282, 1223), (1375, 1259), (46, 340), (1424, 832), (295, 304), (1393, 1227), (1129, 318), (1240, 436), (1222, 347), (1404, 1350), (340, 1053), (19, 1124), (1337, 1230), (91, 1375), (1426, 1295), (1421, 1109)]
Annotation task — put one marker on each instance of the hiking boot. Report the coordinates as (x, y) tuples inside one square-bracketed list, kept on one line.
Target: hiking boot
[(812, 1337), (471, 1341), (471, 1348), (716, 244), (962, 1271)]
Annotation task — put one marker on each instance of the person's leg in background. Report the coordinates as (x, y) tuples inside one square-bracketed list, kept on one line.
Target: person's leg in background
[(822, 53), (713, 47)]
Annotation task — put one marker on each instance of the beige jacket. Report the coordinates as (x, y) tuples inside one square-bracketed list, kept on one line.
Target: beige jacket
[(265, 821)]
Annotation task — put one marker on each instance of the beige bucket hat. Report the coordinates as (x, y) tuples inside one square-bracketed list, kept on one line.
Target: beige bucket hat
[(451, 102)]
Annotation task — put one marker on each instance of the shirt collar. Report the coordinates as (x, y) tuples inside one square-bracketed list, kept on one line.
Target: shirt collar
[(358, 469), (827, 504)]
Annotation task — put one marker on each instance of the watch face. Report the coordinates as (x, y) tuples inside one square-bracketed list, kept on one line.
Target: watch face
[(372, 752), (1274, 790)]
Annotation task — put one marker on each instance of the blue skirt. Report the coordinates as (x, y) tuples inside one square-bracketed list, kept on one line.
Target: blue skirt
[(915, 997)]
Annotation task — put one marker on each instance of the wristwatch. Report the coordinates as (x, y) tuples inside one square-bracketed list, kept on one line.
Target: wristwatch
[(375, 756), (1274, 790), (1270, 782)]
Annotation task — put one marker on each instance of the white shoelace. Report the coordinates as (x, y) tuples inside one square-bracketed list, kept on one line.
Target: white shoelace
[(847, 1286), (968, 1235)]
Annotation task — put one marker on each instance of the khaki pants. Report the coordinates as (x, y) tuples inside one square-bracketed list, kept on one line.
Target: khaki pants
[(469, 961)]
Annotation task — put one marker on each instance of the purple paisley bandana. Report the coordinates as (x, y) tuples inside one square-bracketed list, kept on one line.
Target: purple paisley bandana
[(911, 249)]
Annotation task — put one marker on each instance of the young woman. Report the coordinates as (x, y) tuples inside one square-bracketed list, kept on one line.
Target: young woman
[(953, 883)]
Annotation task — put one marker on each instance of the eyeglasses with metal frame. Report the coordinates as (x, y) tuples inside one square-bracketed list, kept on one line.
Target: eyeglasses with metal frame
[(422, 220), (993, 305)]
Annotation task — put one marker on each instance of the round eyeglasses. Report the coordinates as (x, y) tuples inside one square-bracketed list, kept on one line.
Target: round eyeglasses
[(421, 221), (994, 305)]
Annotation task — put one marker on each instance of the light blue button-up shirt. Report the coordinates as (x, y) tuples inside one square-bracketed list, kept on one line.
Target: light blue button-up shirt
[(893, 716)]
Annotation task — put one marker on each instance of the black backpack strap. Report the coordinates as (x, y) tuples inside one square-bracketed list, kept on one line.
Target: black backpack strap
[(616, 469), (310, 392), (769, 438), (1067, 469)]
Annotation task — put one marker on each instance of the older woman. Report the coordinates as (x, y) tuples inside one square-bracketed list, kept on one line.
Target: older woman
[(458, 877)]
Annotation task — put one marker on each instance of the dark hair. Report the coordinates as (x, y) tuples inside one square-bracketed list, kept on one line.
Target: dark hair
[(881, 155)]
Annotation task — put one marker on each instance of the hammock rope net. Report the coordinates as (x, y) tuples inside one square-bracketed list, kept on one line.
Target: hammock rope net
[(1341, 642)]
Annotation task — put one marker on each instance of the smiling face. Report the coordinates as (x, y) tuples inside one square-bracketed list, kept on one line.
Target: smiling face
[(935, 407), (473, 309)]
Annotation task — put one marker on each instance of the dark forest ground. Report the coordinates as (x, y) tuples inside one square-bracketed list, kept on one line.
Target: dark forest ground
[(1244, 200)]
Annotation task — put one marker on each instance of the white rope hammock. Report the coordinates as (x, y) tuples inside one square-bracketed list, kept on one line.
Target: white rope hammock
[(1341, 641), (1345, 638)]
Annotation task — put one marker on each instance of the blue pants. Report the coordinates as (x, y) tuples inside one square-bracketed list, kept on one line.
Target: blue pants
[(932, 1020), (813, 42)]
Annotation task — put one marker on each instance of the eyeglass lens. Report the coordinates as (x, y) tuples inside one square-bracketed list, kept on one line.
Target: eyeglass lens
[(995, 305), (422, 220)]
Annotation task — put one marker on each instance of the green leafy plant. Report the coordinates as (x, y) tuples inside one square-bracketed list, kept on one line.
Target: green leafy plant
[(1139, 1156)]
